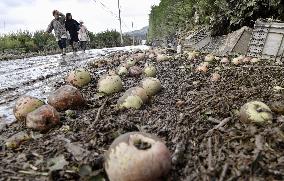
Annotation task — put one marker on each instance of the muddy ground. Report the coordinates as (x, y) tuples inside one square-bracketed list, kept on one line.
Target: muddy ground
[(186, 114)]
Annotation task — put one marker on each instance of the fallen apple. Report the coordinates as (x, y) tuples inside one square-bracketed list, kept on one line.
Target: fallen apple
[(151, 85), (79, 77), (66, 97), (122, 70), (139, 57), (225, 60), (130, 62), (150, 70), (215, 77), (133, 98), (209, 58), (256, 112), (25, 105), (110, 84), (135, 71), (43, 118), (137, 156), (162, 58), (254, 60)]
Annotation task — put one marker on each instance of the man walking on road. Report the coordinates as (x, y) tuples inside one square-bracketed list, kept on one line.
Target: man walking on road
[(58, 25), (72, 26)]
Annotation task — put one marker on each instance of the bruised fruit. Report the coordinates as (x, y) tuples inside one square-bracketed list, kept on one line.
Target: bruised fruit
[(192, 55), (130, 62), (151, 85), (254, 60), (131, 101), (122, 70), (209, 58), (150, 71), (135, 71), (215, 77), (225, 60), (110, 84), (137, 156), (43, 118), (133, 98), (256, 112), (25, 105), (138, 91), (66, 97), (162, 58), (17, 139), (151, 56), (202, 67), (236, 61), (79, 77), (247, 59), (139, 57)]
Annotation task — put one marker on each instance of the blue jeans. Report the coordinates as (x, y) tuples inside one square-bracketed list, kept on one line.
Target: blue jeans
[(62, 43)]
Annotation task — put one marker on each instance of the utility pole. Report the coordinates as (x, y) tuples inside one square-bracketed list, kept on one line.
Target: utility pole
[(133, 38), (4, 26), (121, 38)]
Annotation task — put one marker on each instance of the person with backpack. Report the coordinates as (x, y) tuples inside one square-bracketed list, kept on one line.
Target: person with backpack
[(58, 25), (83, 36), (72, 26)]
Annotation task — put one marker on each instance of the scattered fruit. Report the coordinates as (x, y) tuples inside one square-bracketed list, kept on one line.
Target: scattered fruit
[(209, 58), (66, 97), (43, 118), (162, 58), (256, 112), (79, 77), (225, 60), (133, 98), (130, 62), (25, 105), (110, 84), (135, 71), (137, 156), (122, 71), (215, 77), (17, 139), (254, 60), (151, 85), (150, 71)]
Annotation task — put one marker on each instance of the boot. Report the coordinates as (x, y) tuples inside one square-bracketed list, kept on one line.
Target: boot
[(64, 51)]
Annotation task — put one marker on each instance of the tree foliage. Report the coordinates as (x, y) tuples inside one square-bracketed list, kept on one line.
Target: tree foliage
[(41, 41), (221, 16)]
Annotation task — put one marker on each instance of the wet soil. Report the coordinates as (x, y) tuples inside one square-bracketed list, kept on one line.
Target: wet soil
[(196, 118)]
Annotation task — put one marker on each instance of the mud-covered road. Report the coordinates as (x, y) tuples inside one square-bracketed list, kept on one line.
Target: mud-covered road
[(36, 76)]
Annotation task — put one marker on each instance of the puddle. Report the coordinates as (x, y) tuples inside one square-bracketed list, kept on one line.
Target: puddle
[(36, 76)]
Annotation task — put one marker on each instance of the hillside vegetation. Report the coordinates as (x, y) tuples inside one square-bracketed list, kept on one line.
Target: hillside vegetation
[(221, 16), (25, 41)]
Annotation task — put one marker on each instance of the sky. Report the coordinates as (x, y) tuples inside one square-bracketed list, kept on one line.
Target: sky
[(98, 15)]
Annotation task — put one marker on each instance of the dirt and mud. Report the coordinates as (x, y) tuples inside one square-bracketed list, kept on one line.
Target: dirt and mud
[(197, 119)]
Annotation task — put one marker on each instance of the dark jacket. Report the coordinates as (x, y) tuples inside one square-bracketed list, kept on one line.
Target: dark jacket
[(72, 26)]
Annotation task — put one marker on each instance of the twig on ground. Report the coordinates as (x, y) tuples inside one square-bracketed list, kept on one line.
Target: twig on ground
[(99, 113), (223, 174), (33, 173), (210, 167), (220, 125)]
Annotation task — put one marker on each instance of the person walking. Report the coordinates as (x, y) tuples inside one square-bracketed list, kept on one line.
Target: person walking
[(83, 36), (58, 25), (72, 26)]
